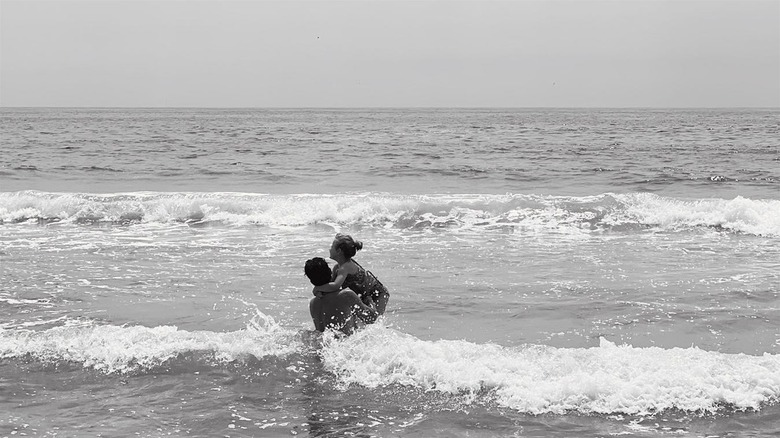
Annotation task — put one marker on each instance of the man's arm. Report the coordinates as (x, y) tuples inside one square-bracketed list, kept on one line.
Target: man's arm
[(315, 308)]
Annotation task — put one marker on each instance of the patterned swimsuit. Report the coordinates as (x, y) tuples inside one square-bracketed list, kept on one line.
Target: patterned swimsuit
[(364, 283)]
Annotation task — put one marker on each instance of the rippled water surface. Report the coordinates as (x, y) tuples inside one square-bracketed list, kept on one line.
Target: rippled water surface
[(552, 272)]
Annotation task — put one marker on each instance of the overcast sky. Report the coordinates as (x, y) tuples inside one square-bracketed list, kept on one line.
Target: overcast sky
[(577, 53)]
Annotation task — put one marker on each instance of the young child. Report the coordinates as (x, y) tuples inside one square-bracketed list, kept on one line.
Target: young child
[(349, 274), (337, 309)]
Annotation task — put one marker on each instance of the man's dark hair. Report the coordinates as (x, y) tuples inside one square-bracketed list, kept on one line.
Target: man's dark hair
[(318, 271)]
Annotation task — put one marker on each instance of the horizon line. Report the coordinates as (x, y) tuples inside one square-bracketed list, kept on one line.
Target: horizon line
[(2, 107)]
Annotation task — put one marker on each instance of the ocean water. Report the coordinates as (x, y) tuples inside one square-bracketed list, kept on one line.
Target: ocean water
[(566, 273)]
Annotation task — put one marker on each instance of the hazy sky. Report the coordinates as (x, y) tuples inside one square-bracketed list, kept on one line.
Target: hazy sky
[(630, 53)]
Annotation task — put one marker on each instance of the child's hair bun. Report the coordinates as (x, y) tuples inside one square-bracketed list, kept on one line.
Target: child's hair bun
[(348, 245)]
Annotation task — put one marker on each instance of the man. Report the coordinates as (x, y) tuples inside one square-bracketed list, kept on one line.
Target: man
[(338, 309)]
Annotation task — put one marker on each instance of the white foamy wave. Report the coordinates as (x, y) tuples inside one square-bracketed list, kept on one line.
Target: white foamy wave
[(759, 217), (539, 379), (115, 349), (514, 212), (228, 208)]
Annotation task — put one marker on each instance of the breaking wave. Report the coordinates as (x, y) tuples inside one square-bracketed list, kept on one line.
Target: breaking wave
[(605, 212), (535, 379)]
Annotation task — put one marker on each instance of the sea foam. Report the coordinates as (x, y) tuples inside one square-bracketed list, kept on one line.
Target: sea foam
[(127, 349), (541, 379), (520, 212), (535, 379)]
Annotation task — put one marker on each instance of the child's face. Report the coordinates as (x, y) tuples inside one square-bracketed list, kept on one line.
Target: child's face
[(333, 250)]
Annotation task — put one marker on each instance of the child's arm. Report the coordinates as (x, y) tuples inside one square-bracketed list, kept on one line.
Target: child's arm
[(333, 286), (339, 275)]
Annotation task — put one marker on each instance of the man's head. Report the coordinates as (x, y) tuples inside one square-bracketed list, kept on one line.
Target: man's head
[(318, 271)]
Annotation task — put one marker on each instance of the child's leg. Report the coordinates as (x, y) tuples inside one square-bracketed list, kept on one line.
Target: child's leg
[(381, 303), (368, 301)]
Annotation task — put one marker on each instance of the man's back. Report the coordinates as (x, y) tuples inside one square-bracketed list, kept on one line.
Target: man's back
[(337, 310)]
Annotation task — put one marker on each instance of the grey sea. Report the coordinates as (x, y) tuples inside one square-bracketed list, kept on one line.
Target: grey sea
[(553, 272)]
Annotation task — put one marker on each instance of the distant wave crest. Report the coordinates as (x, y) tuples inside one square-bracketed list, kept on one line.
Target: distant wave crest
[(514, 212)]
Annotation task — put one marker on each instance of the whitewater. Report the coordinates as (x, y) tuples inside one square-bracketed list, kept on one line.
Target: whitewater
[(759, 217)]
